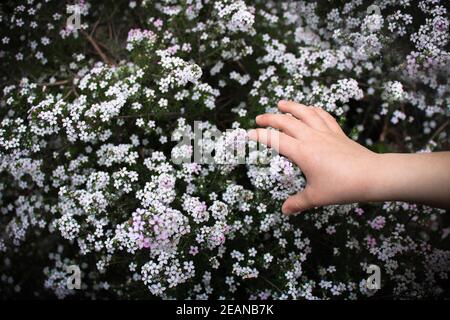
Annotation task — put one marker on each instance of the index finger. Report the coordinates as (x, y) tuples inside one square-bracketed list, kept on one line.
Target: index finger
[(281, 142)]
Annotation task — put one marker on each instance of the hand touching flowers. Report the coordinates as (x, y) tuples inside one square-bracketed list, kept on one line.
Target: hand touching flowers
[(339, 170)]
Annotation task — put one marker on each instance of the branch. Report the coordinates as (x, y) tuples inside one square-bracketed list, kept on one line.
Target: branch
[(97, 48), (440, 129)]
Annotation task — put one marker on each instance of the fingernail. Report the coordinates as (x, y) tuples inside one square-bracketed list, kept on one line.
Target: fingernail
[(282, 103)]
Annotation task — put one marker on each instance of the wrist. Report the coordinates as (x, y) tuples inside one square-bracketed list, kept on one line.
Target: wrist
[(397, 177), (386, 177)]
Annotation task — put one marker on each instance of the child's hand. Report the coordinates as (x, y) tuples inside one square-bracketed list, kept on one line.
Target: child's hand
[(335, 166), (338, 170)]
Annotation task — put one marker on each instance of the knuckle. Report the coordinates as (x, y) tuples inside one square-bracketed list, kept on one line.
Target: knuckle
[(298, 205), (285, 118), (311, 199), (291, 105), (327, 114), (279, 121), (321, 111)]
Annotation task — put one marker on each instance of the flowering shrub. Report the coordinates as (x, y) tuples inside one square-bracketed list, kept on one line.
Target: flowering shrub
[(93, 174)]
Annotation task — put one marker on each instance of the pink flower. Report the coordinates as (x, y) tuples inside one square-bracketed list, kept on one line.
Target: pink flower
[(371, 242), (193, 250), (158, 23), (378, 223)]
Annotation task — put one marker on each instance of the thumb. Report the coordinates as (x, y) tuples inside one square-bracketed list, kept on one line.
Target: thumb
[(297, 203)]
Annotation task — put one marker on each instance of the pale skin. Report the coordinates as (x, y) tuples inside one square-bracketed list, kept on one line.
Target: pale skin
[(338, 170)]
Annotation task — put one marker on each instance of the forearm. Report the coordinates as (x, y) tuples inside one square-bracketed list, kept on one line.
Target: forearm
[(421, 178)]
